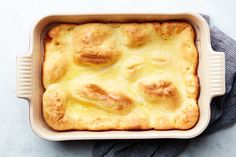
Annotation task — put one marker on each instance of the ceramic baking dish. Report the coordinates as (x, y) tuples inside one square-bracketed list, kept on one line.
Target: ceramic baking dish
[(211, 72)]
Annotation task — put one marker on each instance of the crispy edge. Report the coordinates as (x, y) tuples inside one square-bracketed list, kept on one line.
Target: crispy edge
[(56, 72), (54, 108), (55, 31), (187, 118), (136, 34)]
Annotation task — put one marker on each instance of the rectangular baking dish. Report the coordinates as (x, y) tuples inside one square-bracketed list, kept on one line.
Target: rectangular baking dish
[(211, 72)]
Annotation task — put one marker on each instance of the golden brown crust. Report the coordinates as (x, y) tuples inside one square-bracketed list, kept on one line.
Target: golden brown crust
[(117, 102), (187, 118), (53, 69), (93, 34), (54, 107), (120, 76), (137, 34), (135, 124), (60, 29), (163, 123), (193, 86), (96, 56), (169, 29), (159, 89), (174, 27), (161, 92)]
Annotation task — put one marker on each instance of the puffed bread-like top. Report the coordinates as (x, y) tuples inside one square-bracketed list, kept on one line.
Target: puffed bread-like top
[(120, 76)]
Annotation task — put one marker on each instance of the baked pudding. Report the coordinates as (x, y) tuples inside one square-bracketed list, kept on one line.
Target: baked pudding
[(120, 76)]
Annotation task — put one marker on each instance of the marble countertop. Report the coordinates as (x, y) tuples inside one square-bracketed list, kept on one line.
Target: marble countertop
[(17, 17)]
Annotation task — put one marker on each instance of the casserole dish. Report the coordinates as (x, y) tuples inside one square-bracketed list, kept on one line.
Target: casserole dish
[(211, 73)]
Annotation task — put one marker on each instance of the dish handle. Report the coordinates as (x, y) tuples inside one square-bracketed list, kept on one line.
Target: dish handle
[(217, 73), (24, 76)]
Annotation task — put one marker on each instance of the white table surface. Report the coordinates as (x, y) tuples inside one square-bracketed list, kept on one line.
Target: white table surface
[(17, 17)]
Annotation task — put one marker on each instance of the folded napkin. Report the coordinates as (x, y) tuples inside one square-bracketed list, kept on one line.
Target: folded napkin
[(223, 113)]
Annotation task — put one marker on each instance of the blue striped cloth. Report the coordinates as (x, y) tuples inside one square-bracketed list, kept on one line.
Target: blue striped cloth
[(223, 113)]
